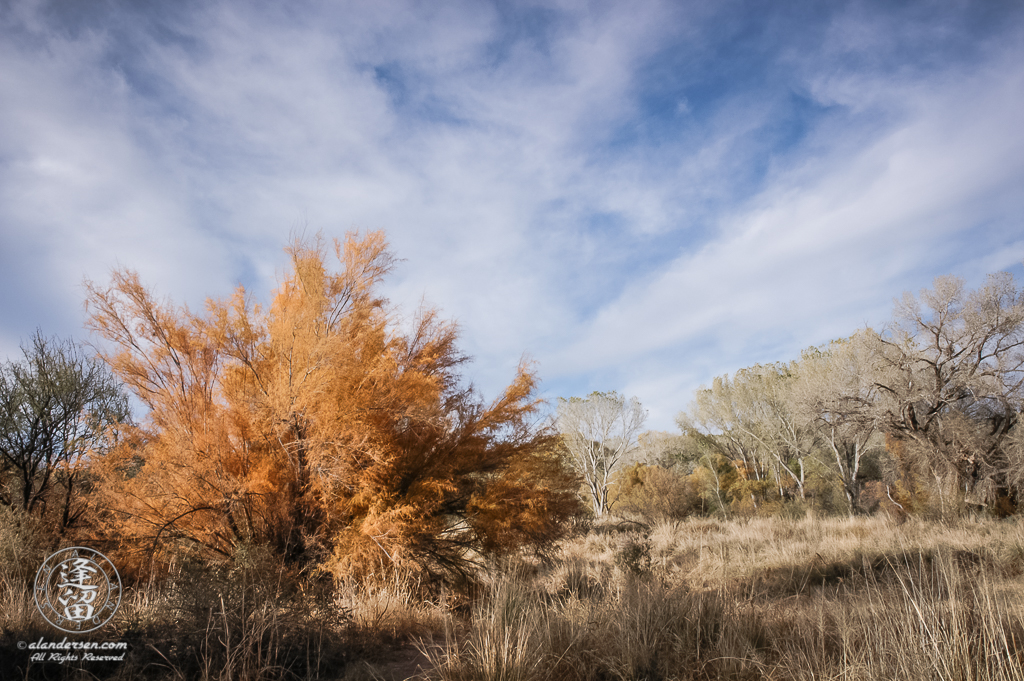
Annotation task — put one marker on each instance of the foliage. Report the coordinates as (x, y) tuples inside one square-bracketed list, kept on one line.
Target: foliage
[(661, 448), (317, 427), (58, 409), (24, 543), (654, 492), (633, 556), (750, 421)]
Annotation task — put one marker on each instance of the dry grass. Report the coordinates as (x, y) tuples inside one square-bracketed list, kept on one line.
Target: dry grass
[(775, 599), (852, 599)]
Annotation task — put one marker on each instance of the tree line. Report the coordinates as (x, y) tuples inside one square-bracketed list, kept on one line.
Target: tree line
[(348, 444), (920, 417)]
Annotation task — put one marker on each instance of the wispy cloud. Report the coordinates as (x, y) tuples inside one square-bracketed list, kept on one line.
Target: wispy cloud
[(639, 196)]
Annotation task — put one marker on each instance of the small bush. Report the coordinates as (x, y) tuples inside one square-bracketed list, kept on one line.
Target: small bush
[(575, 578), (24, 544), (656, 493), (633, 556)]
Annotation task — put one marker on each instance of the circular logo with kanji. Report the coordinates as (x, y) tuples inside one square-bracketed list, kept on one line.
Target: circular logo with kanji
[(77, 590)]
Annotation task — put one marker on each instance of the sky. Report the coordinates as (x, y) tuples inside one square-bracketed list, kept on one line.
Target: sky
[(638, 196)]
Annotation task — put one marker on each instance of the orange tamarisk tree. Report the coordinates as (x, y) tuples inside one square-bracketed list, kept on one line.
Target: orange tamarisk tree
[(318, 428)]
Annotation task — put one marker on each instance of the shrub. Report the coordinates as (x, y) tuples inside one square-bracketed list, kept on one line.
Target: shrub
[(633, 556), (655, 492), (24, 544)]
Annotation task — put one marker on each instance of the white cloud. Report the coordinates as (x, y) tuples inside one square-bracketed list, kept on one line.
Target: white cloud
[(499, 157), (824, 248)]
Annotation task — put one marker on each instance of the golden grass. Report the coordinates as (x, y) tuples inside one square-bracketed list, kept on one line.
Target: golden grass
[(860, 598), (817, 598)]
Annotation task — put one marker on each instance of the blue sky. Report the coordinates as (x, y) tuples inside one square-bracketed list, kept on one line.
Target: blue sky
[(639, 196)]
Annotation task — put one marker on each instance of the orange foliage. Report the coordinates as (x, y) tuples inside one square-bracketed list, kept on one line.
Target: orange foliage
[(316, 427)]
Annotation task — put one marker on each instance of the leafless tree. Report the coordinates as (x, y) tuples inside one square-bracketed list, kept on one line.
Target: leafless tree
[(714, 420), (752, 421), (949, 372), (835, 393), (599, 432), (660, 448)]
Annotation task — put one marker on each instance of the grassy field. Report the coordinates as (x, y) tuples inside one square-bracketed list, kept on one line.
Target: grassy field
[(862, 598)]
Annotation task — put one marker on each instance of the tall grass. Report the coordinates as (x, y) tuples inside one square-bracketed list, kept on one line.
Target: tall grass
[(247, 620), (850, 599), (828, 599), (929, 618), (506, 639), (639, 629)]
